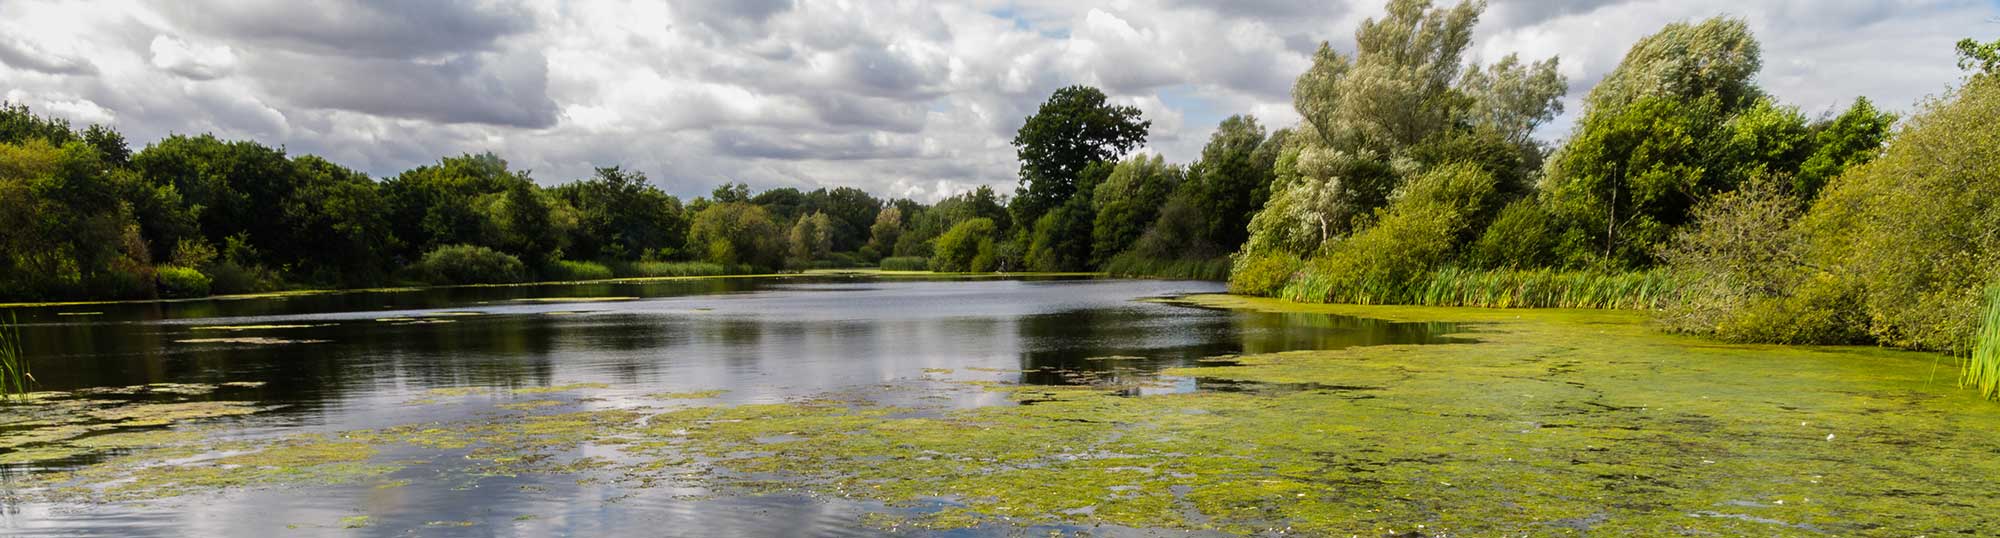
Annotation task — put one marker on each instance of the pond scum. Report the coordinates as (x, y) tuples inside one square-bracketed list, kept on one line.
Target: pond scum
[(1544, 423)]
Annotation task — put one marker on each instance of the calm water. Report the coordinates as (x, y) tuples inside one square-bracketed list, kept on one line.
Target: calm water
[(353, 361)]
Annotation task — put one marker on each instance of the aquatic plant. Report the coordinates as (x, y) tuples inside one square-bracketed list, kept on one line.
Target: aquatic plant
[(673, 269), (1982, 369), (14, 376), (1543, 288)]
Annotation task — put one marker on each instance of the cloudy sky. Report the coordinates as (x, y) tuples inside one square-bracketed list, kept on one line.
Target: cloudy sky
[(902, 98)]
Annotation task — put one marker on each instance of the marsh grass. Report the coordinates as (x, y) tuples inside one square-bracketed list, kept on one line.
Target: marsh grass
[(673, 269), (1639, 290), (14, 376), (1982, 369)]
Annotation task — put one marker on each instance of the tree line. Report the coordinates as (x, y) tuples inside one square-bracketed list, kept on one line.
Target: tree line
[(1413, 176)]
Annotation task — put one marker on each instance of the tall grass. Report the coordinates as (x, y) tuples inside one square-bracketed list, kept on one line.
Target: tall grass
[(1545, 288), (1982, 370), (1133, 265), (14, 376), (672, 269), (906, 263), (576, 270)]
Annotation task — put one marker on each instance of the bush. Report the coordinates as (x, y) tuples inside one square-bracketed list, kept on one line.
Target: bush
[(673, 269), (1543, 288), (1132, 264), (177, 282), (467, 264), (230, 278), (1263, 273), (575, 270), (1520, 238), (906, 263), (967, 247)]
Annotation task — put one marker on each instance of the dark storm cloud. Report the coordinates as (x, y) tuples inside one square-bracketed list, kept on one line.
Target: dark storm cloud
[(24, 55), (373, 28), (494, 88)]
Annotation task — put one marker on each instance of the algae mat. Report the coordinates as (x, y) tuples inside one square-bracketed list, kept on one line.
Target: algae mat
[(1534, 423)]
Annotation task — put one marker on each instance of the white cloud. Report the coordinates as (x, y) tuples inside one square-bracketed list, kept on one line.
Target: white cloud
[(903, 98)]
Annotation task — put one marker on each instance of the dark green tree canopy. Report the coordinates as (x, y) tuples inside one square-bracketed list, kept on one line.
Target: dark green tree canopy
[(1074, 128)]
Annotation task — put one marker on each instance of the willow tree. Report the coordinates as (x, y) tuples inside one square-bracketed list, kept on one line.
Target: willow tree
[(1404, 102)]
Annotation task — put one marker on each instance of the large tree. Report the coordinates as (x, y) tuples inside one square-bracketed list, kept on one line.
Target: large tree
[(1075, 128), (622, 217)]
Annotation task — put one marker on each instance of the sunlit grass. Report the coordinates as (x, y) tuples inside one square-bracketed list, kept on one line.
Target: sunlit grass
[(14, 376), (1545, 288), (1982, 370)]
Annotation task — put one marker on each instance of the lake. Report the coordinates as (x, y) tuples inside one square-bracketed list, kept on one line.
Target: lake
[(132, 377)]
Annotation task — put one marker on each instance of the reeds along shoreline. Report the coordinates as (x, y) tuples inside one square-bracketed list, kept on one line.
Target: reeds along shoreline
[(1982, 368), (14, 376), (1545, 288)]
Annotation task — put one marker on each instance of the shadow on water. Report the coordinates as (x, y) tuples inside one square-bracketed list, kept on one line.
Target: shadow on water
[(356, 360)]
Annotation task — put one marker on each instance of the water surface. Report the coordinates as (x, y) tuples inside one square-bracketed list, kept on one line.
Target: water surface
[(350, 361)]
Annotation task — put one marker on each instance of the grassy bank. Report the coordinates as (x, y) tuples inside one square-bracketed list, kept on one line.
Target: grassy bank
[(1544, 288)]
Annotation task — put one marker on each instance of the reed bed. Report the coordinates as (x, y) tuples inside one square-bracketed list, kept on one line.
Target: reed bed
[(1638, 290), (14, 376), (672, 269), (1982, 369)]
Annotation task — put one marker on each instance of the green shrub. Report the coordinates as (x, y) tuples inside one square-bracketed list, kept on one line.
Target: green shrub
[(177, 282), (673, 269), (576, 270), (229, 277), (468, 264), (1543, 288), (1982, 370), (967, 247), (906, 263), (1520, 238), (1132, 264), (1263, 273)]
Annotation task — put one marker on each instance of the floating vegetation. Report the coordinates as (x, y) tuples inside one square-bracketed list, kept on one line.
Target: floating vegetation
[(257, 327), (560, 388), (251, 340), (1552, 422), (696, 395), (79, 313), (574, 299), (1110, 358), (532, 404)]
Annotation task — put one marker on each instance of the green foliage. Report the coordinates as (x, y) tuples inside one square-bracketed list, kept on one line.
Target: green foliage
[(905, 263), (1631, 174), (1389, 113), (1416, 235), (469, 264), (64, 230), (620, 216), (1742, 278), (1133, 264), (1521, 237), (968, 247), (1263, 273), (887, 229), (737, 233), (1917, 230), (1716, 58), (1231, 181), (177, 282), (659, 269), (1074, 129), (1982, 369), (571, 271), (1539, 288), (14, 368), (811, 238), (1979, 57), (1128, 201), (1853, 138)]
